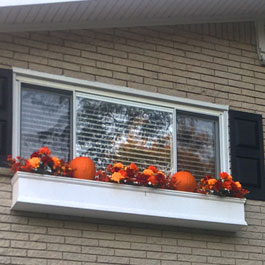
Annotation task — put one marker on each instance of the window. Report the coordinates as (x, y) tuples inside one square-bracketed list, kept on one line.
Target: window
[(197, 144), (45, 120), (79, 118)]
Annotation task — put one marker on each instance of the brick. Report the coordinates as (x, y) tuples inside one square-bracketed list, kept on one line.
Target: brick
[(114, 244), (115, 260), (220, 261), (80, 46), (98, 251), (128, 62), (63, 262), (28, 245), (248, 262), (28, 261), (147, 247), (59, 64), (99, 235), (191, 258), (64, 50), (172, 92), (111, 81), (141, 72), (111, 52), (160, 240), (63, 247), (130, 238), (168, 262), (79, 75), (28, 228), (12, 252), (111, 66), (30, 43), (14, 47), (254, 249), (96, 56), (206, 252), (177, 249), (141, 261), (128, 77), (65, 232), (46, 238), (46, 69), (79, 257), (200, 57), (161, 256), (172, 78), (158, 83), (81, 241), (44, 254), (13, 235), (79, 60)]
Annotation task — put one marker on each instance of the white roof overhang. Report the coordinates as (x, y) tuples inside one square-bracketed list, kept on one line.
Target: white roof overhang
[(28, 15)]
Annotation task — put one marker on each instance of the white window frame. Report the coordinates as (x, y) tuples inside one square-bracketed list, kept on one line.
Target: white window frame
[(123, 93)]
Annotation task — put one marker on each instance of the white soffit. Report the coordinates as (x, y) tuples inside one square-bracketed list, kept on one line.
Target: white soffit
[(5, 3), (60, 15)]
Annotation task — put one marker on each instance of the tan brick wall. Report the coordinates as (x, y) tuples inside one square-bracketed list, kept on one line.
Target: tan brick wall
[(211, 62)]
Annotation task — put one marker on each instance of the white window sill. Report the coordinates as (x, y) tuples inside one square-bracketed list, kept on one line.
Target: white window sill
[(59, 195)]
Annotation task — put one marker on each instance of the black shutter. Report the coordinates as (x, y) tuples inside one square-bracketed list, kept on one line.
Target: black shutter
[(5, 115), (247, 152)]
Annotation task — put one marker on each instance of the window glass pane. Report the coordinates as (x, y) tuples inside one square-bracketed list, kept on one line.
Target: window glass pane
[(45, 121), (110, 132), (197, 145)]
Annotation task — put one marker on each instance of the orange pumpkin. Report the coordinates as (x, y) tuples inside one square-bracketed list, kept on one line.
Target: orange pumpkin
[(83, 168), (183, 181)]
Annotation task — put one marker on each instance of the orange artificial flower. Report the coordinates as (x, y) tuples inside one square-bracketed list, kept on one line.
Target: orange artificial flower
[(211, 182), (148, 172), (152, 179), (133, 167), (227, 184), (45, 150), (153, 168), (34, 162), (238, 185), (56, 161), (118, 165), (225, 176), (117, 177)]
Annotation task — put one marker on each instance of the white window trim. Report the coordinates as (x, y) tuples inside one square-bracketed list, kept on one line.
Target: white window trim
[(97, 88)]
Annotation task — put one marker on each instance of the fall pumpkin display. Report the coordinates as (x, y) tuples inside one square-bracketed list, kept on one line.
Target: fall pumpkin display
[(83, 168), (183, 181)]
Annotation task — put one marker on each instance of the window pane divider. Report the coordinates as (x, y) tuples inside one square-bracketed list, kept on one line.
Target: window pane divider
[(125, 102), (74, 124)]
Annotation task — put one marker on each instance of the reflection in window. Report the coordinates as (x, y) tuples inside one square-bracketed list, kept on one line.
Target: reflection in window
[(45, 121), (197, 145), (110, 132)]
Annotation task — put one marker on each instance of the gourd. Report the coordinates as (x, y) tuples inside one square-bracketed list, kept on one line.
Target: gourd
[(83, 168), (183, 181)]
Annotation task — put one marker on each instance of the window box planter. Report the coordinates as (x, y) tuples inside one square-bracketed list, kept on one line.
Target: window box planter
[(59, 195)]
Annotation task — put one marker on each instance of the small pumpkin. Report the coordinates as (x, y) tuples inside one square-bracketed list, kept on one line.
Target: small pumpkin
[(83, 168), (183, 181)]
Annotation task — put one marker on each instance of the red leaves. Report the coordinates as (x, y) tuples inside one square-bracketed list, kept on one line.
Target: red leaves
[(41, 162), (119, 173), (225, 186)]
